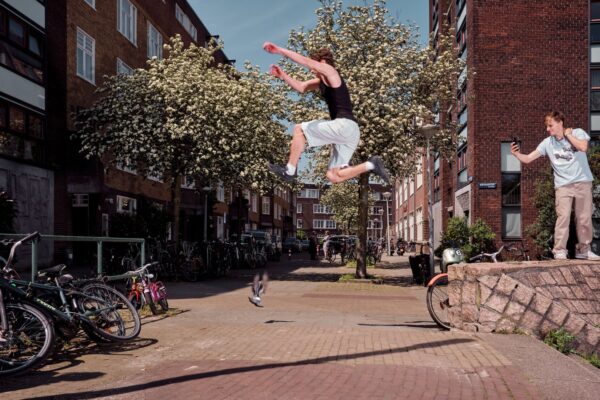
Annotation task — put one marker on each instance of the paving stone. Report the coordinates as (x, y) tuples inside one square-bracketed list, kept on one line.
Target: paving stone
[(484, 294), (497, 302), (454, 293), (558, 276), (469, 292), (514, 311), (489, 280), (523, 294), (531, 321), (487, 316), (540, 304), (547, 278), (557, 314), (574, 324), (470, 313), (569, 278), (506, 285), (505, 325)]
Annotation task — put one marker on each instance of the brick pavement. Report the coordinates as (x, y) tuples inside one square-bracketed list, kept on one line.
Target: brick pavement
[(315, 339)]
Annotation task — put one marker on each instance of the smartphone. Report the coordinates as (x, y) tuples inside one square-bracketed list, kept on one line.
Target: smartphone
[(515, 140)]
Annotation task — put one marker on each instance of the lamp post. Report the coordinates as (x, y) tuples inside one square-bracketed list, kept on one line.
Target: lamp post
[(386, 196), (206, 191), (428, 130)]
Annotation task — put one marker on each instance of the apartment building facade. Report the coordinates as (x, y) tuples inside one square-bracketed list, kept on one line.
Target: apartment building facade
[(313, 216), (91, 39), (522, 60)]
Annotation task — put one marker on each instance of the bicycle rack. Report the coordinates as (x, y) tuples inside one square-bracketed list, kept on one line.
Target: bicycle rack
[(98, 239)]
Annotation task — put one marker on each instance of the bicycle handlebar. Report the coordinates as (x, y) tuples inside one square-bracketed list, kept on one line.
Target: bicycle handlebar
[(491, 256), (31, 237)]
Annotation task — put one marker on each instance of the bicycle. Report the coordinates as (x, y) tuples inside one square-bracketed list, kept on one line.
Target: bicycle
[(142, 289), (437, 291)]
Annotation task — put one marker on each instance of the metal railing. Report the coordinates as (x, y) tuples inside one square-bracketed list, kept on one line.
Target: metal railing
[(62, 238)]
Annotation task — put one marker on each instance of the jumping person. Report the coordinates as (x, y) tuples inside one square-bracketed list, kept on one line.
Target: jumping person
[(341, 131), (259, 287), (566, 149)]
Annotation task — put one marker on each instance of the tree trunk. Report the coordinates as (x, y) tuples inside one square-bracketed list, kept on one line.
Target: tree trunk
[(363, 220), (175, 207)]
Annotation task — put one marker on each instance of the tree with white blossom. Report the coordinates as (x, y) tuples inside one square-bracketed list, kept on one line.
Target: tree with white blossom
[(393, 81), (187, 115)]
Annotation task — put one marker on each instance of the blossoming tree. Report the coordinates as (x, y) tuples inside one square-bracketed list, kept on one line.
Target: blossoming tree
[(186, 115), (393, 81)]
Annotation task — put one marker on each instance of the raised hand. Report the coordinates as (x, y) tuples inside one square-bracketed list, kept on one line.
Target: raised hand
[(276, 70), (271, 48)]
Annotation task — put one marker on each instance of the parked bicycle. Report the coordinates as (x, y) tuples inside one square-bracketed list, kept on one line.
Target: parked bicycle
[(31, 313), (142, 289)]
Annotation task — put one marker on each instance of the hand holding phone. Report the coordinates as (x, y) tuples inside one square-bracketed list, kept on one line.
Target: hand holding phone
[(515, 143)]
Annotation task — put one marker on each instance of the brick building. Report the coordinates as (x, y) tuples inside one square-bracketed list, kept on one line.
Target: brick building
[(523, 59), (91, 39), (311, 215)]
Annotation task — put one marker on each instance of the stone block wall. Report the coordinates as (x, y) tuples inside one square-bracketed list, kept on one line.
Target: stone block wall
[(532, 297)]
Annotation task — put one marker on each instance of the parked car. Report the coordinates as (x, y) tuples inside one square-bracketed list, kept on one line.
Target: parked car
[(291, 243)]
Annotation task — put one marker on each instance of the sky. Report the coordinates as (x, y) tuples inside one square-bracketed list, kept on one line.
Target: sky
[(244, 25)]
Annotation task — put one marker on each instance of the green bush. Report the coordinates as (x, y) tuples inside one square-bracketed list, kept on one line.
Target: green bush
[(561, 340), (472, 240)]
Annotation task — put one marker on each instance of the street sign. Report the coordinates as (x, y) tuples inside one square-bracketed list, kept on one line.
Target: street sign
[(487, 185)]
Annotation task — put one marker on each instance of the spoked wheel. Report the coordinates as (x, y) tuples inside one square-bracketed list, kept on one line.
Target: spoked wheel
[(28, 342), (437, 302), (111, 315), (164, 304)]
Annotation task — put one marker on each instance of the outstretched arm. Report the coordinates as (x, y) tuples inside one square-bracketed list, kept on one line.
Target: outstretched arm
[(300, 86), (524, 158), (322, 68)]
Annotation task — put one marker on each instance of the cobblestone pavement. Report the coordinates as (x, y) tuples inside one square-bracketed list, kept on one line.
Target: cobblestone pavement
[(314, 339)]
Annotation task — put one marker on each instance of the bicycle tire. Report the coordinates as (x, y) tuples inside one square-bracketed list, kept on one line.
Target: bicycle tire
[(32, 323), (437, 302), (133, 298), (118, 325), (148, 300), (164, 304)]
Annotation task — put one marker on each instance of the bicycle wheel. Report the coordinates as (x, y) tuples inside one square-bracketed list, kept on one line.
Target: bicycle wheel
[(164, 304), (148, 300), (111, 315), (437, 302), (29, 341)]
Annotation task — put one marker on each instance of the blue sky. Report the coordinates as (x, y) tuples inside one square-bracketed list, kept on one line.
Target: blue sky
[(244, 25)]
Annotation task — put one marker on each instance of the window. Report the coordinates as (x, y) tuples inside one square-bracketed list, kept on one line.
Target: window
[(459, 6), (3, 110), (17, 119), (461, 39), (126, 205), (375, 210), (376, 196), (461, 166), (266, 205), (299, 208), (2, 23), (299, 223), (254, 203), (185, 21), (461, 98), (35, 126), (127, 20), (324, 224), (123, 69), (511, 193), (16, 31), (92, 3), (220, 230), (187, 182), (85, 56), (420, 178), (155, 42), (220, 193), (321, 209), (309, 194), (35, 44)]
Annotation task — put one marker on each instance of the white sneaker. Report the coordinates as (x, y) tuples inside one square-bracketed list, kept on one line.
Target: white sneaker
[(589, 255), (255, 300), (560, 254)]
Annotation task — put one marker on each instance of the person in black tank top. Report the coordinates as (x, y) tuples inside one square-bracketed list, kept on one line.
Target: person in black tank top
[(341, 131)]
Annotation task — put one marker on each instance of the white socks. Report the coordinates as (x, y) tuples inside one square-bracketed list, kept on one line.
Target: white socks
[(291, 170), (370, 166)]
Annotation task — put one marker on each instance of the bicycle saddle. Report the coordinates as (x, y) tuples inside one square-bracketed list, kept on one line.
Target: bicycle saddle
[(52, 272)]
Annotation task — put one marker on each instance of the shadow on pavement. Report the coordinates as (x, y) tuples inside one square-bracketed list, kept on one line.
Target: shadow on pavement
[(232, 371), (69, 358), (409, 325)]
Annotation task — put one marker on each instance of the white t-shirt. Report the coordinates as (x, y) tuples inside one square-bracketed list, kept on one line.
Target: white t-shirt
[(569, 165)]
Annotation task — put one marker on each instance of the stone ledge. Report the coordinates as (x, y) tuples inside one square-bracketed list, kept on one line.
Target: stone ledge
[(534, 297)]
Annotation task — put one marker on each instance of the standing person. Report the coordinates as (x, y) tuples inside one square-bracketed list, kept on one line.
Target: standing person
[(312, 246), (566, 149), (341, 131)]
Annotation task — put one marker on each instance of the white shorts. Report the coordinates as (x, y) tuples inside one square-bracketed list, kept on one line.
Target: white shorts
[(342, 133)]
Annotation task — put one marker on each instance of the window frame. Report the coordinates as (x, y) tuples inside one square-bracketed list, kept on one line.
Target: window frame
[(93, 54), (132, 20), (154, 46), (122, 64), (91, 3)]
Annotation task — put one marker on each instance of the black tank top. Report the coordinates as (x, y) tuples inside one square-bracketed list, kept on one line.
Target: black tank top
[(338, 100)]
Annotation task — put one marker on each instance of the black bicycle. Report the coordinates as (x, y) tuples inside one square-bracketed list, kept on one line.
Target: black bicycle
[(32, 312)]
